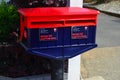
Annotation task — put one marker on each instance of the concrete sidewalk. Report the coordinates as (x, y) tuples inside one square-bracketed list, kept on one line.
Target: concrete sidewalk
[(95, 78), (104, 62)]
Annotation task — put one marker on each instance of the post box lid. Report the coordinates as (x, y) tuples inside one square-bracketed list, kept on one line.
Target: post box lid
[(56, 11)]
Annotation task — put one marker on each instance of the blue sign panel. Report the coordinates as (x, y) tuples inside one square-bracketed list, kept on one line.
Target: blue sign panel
[(79, 32), (48, 34)]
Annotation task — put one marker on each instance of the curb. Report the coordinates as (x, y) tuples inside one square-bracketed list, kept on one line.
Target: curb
[(95, 78), (106, 12)]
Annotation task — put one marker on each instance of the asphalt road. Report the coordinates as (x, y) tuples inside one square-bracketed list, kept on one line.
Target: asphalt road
[(108, 31)]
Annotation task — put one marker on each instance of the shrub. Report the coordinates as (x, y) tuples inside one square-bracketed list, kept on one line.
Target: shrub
[(39, 3), (102, 1), (9, 19), (87, 1)]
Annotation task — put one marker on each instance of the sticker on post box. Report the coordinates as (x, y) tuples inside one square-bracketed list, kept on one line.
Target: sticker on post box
[(48, 34), (25, 34), (79, 32)]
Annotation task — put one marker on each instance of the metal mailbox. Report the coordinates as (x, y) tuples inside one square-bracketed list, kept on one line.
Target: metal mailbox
[(59, 33)]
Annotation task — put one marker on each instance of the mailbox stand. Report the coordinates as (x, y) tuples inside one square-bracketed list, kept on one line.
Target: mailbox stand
[(57, 70), (58, 33)]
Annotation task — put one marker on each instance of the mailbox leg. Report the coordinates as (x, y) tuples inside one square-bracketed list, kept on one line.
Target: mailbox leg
[(57, 72)]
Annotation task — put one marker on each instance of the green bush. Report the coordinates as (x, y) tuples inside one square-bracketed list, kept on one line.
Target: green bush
[(9, 19), (102, 1)]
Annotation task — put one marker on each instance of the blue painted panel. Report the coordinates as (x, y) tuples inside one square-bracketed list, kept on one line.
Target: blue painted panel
[(60, 42), (67, 36)]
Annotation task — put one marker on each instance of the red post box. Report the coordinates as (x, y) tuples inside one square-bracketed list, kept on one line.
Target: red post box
[(59, 33)]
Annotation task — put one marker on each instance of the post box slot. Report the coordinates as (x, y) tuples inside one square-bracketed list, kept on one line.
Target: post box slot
[(47, 23), (81, 22)]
